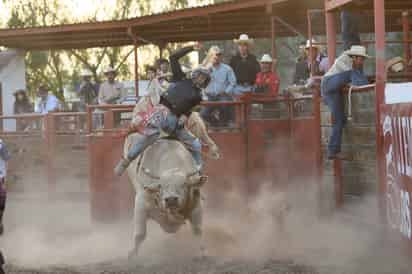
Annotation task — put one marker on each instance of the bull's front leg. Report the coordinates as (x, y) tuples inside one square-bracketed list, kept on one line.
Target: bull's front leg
[(140, 218), (196, 222)]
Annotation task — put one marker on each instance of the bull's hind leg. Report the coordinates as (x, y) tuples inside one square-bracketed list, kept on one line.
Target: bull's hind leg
[(140, 218), (196, 222)]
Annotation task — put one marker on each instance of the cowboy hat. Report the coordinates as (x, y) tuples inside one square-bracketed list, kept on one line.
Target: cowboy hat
[(314, 44), (396, 64), (266, 59), (22, 91), (109, 69), (86, 73), (244, 39), (357, 51)]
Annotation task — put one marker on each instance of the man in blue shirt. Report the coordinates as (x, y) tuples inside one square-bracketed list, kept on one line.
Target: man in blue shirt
[(220, 88), (47, 103)]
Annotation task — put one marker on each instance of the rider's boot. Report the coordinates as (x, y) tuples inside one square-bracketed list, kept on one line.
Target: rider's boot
[(121, 166)]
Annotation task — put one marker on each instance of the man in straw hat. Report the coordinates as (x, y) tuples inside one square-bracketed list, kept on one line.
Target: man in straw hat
[(347, 69), (220, 88), (168, 117), (88, 91), (110, 91), (267, 81), (245, 65), (304, 69)]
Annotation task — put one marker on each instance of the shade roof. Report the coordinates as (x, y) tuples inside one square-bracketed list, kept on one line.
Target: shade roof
[(223, 21), (213, 22)]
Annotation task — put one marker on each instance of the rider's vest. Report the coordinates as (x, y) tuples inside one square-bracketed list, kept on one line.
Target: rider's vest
[(181, 97)]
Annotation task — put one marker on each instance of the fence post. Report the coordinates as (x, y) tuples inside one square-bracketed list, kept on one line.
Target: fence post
[(50, 142)]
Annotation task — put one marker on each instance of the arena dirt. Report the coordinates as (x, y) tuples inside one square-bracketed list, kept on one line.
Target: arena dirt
[(269, 234)]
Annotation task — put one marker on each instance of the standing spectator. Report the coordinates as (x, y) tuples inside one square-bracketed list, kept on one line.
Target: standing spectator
[(301, 68), (163, 73), (22, 105), (111, 91), (220, 88), (245, 65), (47, 102), (88, 90), (304, 70), (4, 157), (267, 81), (347, 69)]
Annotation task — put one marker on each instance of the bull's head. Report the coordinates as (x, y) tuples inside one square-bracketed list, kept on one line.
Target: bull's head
[(173, 187)]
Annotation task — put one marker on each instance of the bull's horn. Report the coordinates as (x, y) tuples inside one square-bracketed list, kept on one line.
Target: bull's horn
[(196, 180)]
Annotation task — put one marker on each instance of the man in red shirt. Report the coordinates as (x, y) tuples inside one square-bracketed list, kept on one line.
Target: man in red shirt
[(267, 81)]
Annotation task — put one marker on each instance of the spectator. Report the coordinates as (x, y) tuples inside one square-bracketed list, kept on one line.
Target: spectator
[(154, 90), (220, 88), (163, 74), (304, 70), (111, 91), (22, 105), (47, 102), (347, 69), (245, 65), (88, 90), (301, 68), (267, 81), (4, 157)]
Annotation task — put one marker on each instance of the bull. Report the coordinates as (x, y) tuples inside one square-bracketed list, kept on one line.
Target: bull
[(167, 189)]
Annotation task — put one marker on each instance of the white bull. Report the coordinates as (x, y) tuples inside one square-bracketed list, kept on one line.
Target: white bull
[(167, 189)]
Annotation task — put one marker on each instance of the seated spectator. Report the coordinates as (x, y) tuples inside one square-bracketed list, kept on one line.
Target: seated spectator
[(220, 88), (47, 102), (88, 90), (347, 69), (245, 65), (267, 81), (111, 91), (22, 105), (304, 70)]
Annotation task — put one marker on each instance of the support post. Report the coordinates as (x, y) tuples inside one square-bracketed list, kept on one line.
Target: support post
[(331, 36), (309, 19), (406, 36), (136, 68), (379, 9), (50, 143), (274, 53)]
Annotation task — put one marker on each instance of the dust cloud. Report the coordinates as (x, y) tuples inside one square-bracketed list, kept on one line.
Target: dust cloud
[(282, 224)]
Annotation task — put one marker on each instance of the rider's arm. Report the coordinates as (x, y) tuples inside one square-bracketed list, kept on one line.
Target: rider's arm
[(177, 72)]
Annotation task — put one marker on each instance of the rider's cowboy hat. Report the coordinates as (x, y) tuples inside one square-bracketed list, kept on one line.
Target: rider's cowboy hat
[(244, 39), (266, 59), (396, 64), (314, 44), (109, 70), (86, 73), (357, 51)]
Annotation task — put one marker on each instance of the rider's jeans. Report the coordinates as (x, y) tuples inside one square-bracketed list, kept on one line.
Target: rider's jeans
[(170, 125)]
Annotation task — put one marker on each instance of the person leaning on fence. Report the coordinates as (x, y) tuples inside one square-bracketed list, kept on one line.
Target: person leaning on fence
[(245, 65), (47, 102), (220, 88), (267, 81), (22, 105), (347, 69), (111, 91)]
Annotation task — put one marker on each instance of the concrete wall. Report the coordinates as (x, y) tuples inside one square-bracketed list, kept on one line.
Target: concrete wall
[(12, 77)]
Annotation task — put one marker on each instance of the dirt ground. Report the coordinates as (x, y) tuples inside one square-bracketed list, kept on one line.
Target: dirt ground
[(49, 236)]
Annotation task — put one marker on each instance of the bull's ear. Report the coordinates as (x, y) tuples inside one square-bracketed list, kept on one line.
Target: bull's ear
[(152, 188), (196, 180)]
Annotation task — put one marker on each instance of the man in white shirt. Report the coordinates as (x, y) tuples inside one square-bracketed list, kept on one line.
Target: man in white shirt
[(111, 91), (47, 102)]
